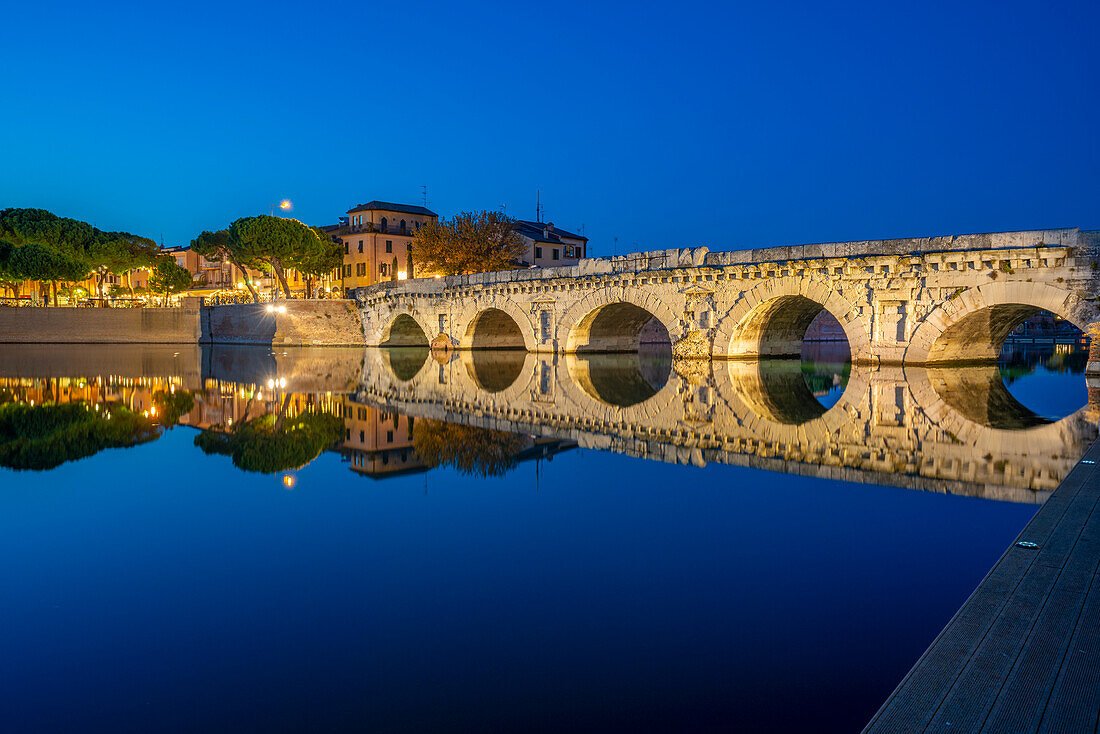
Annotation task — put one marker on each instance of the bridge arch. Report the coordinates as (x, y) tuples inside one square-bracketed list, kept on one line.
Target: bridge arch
[(601, 322), (500, 326), (404, 330), (973, 325), (771, 319)]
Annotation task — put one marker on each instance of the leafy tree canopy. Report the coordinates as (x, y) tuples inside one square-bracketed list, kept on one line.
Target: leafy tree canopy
[(471, 242), (168, 277), (271, 243)]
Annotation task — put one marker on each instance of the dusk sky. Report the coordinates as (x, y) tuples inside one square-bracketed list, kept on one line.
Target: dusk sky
[(662, 124)]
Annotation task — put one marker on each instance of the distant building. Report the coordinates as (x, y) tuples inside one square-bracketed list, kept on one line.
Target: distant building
[(377, 233), (548, 246)]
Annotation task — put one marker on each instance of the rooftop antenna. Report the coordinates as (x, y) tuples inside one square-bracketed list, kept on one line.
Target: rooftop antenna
[(424, 194), (538, 206)]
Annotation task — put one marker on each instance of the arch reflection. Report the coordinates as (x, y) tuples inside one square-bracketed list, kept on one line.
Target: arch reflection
[(622, 379)]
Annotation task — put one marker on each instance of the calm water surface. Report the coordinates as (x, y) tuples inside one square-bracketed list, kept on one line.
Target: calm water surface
[(396, 541)]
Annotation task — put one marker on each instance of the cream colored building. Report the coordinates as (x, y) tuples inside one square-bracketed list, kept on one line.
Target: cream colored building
[(550, 247)]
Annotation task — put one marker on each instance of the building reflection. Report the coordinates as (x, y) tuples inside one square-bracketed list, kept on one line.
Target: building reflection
[(393, 412)]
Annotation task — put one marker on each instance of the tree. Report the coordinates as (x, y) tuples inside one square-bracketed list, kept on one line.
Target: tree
[(409, 264), (102, 252), (168, 278), (471, 450), (317, 262), (393, 268), (472, 242), (119, 253), (217, 246), (271, 243), (43, 263)]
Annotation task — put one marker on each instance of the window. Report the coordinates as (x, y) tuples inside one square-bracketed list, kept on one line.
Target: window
[(360, 245), (361, 437), (555, 254), (347, 271), (418, 226), (347, 248), (383, 224), (389, 245), (538, 252), (382, 268), (360, 269), (389, 436), (402, 226)]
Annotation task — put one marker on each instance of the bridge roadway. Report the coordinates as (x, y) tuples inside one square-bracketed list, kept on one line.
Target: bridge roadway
[(907, 301), (952, 430)]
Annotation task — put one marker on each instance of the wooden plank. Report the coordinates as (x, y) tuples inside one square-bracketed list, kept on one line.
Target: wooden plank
[(1004, 649)]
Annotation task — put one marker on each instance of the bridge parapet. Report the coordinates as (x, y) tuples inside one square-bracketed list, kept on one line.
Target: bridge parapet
[(897, 301)]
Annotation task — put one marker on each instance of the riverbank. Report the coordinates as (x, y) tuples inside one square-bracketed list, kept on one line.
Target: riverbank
[(283, 323)]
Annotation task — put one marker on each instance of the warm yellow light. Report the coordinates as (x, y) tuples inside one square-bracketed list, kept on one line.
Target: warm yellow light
[(284, 204), (240, 285), (289, 480), (402, 275)]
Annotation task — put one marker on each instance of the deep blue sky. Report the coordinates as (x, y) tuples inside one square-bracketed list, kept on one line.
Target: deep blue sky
[(662, 124)]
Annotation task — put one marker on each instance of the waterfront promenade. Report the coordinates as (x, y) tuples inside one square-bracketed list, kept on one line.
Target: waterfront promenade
[(1023, 652)]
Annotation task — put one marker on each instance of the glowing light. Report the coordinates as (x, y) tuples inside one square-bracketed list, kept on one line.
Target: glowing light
[(282, 382), (402, 275), (284, 204), (270, 308), (240, 285), (281, 309), (270, 384), (289, 480)]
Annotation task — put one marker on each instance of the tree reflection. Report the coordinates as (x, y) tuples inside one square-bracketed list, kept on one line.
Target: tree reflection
[(173, 405), (475, 451), (273, 443), (45, 436)]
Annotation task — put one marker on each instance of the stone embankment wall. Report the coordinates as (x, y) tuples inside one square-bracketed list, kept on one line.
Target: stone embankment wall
[(284, 323), (99, 325), (288, 323)]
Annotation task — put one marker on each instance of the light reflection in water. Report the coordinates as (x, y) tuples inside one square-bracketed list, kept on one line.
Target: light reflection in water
[(949, 429)]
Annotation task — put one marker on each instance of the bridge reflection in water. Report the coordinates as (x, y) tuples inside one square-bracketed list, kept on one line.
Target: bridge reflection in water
[(951, 429)]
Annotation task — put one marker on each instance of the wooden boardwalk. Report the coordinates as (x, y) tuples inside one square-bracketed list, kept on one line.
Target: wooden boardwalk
[(1023, 652)]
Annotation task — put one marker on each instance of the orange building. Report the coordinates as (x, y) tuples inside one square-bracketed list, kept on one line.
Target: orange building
[(377, 234)]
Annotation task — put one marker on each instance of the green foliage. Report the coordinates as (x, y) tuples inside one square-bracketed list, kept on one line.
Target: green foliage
[(68, 245), (271, 243), (476, 451), (44, 436), (34, 261), (168, 277), (472, 242), (267, 444), (172, 406)]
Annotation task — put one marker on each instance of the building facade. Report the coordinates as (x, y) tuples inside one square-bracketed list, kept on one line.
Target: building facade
[(550, 247), (379, 233)]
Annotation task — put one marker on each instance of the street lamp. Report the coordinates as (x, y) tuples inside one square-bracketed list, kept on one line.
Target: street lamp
[(284, 205)]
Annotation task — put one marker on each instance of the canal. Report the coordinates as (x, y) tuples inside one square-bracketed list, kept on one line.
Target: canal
[(241, 539)]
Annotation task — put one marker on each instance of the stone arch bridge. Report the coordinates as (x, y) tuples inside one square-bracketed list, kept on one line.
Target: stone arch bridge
[(905, 301)]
